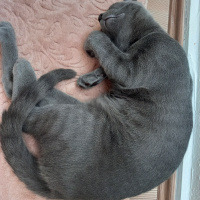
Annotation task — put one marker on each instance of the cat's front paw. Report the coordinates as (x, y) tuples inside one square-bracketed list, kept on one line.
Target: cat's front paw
[(91, 79), (93, 42), (7, 33)]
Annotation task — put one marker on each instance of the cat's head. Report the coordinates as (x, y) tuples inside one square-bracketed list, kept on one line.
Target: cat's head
[(125, 21)]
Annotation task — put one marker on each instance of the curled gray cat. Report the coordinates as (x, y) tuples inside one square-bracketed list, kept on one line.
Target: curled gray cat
[(124, 142)]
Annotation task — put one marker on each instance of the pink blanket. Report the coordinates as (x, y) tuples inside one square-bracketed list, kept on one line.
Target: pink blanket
[(50, 34)]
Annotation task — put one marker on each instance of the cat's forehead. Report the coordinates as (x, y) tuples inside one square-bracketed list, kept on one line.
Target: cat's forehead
[(124, 3), (116, 5)]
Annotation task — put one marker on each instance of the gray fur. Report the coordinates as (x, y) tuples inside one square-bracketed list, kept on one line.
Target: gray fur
[(12, 121), (123, 143)]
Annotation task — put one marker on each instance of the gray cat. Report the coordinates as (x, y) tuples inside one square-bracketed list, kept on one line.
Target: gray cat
[(119, 145)]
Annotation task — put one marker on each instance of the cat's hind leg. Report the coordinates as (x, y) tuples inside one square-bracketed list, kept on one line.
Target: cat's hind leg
[(23, 75)]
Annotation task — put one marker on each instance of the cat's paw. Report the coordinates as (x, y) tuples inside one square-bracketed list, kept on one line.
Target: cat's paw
[(91, 79), (7, 33), (93, 41), (87, 81)]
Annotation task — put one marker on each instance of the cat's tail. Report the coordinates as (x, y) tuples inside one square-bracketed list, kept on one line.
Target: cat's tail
[(23, 163)]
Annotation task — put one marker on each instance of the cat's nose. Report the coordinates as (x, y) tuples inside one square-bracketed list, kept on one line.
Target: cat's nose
[(100, 17)]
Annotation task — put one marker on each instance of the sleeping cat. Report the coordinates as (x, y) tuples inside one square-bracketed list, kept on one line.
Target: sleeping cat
[(119, 145)]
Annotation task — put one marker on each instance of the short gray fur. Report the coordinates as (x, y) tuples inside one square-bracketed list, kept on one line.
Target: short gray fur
[(119, 145)]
